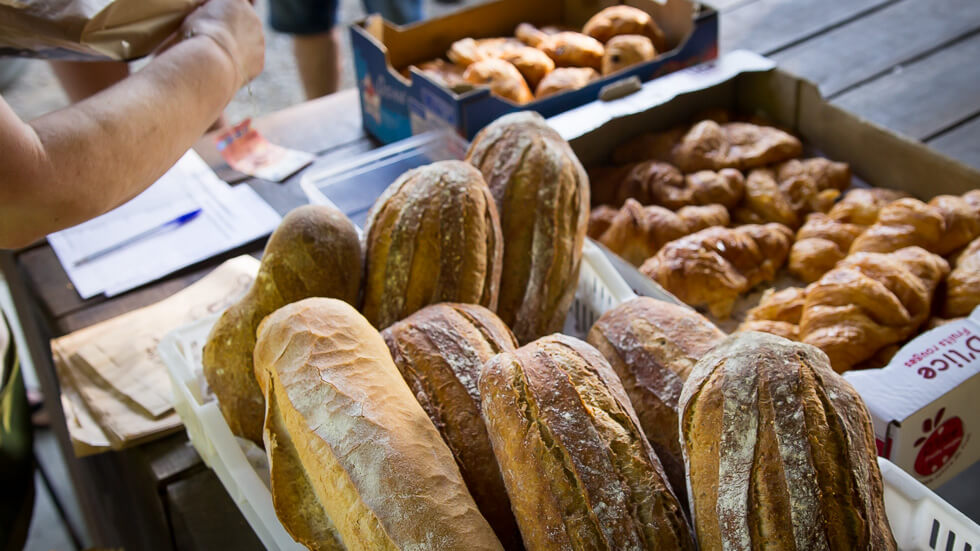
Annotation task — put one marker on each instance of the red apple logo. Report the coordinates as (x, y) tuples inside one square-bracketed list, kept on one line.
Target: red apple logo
[(941, 442)]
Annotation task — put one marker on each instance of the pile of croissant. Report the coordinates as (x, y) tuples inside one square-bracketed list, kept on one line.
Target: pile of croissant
[(713, 209), (537, 63)]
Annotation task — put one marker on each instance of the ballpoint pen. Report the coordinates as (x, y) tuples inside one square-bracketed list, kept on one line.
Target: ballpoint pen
[(171, 224)]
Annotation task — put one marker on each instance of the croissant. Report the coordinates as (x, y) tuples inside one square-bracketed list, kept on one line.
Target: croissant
[(600, 219), (942, 225), (825, 238), (563, 79), (467, 51), (714, 266), (502, 77), (533, 64), (789, 191), (659, 183), (624, 20), (626, 50), (778, 313), (636, 232), (449, 75), (963, 284), (870, 301), (713, 146)]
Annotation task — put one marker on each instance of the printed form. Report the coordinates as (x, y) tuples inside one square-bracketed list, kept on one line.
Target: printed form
[(230, 217)]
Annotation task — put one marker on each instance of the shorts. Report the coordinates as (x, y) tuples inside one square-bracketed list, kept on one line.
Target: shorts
[(319, 16)]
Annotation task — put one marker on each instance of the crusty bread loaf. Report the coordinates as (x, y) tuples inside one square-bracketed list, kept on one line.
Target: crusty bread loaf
[(779, 450), (440, 351), (542, 195), (579, 471), (348, 424), (314, 252), (653, 345), (433, 236)]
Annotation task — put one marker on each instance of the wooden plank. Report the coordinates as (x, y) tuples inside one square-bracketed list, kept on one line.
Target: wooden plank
[(203, 515), (766, 26), (873, 44), (961, 143), (924, 97)]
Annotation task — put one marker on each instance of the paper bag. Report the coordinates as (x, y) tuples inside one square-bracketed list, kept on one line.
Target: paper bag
[(88, 29)]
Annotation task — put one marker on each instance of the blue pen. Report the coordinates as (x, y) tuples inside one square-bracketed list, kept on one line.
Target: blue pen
[(172, 224)]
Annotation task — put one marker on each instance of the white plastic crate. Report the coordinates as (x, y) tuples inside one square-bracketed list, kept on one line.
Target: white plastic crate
[(920, 519)]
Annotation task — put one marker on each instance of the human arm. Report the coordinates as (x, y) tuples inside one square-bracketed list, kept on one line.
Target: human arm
[(79, 162)]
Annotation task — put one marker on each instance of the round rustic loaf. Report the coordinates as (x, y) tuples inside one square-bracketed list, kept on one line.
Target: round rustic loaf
[(433, 236), (579, 472), (653, 345), (440, 351), (779, 451), (314, 252), (542, 195)]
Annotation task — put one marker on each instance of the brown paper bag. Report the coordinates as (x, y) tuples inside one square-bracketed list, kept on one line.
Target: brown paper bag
[(88, 29)]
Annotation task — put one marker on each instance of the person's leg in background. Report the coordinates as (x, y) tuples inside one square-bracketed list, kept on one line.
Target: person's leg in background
[(398, 12), (316, 41), (83, 79)]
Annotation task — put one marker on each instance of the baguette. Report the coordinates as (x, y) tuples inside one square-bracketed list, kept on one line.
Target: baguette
[(345, 421)]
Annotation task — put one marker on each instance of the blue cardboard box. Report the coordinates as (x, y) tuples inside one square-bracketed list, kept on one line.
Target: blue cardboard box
[(395, 106)]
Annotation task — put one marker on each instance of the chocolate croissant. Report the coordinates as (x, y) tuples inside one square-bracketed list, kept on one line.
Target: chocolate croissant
[(714, 266), (624, 20), (660, 183), (636, 232), (963, 284), (709, 145), (942, 225), (825, 239), (579, 471)]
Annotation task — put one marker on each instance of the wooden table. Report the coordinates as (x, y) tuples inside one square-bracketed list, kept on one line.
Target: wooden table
[(908, 65)]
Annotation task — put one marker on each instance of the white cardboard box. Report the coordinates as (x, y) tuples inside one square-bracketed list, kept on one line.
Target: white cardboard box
[(900, 399)]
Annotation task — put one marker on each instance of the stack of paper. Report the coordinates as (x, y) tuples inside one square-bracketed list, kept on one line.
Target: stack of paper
[(114, 386), (230, 217)]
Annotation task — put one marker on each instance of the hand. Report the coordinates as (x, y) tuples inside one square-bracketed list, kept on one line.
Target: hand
[(236, 28)]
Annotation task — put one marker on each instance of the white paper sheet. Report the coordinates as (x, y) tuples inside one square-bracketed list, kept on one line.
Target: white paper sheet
[(231, 216)]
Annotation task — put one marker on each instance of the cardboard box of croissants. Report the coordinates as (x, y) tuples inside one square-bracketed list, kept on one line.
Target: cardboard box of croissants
[(447, 413)]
